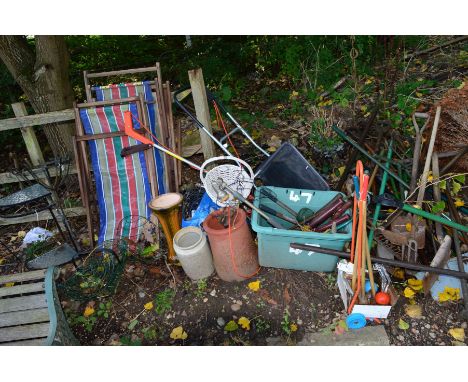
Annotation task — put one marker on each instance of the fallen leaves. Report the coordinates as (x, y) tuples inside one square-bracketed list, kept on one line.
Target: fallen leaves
[(266, 297), (254, 285), (408, 292), (403, 325), (286, 296), (413, 287), (231, 326), (89, 311), (132, 324), (244, 322), (459, 202), (149, 305), (449, 294), (414, 311), (178, 333), (458, 334), (274, 143), (416, 285)]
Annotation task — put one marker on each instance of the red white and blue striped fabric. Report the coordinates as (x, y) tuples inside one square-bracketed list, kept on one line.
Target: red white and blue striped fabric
[(119, 91), (122, 185)]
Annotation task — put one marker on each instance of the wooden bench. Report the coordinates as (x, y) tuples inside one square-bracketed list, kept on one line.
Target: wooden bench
[(30, 311)]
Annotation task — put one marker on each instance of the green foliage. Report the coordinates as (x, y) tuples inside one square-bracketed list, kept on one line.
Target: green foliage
[(261, 325), (75, 319), (39, 248), (132, 324), (286, 323), (127, 341), (438, 207), (201, 287), (104, 309), (150, 333), (163, 301)]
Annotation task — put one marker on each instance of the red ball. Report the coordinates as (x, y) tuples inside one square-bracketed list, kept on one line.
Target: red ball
[(382, 298)]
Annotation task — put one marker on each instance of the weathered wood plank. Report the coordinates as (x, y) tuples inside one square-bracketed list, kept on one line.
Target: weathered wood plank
[(29, 136), (197, 83), (8, 177), (21, 289), (43, 215), (18, 304), (35, 342), (120, 72), (25, 276), (31, 316), (14, 333), (37, 119)]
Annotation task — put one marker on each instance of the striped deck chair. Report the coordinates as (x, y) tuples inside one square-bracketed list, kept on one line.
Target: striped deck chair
[(123, 185), (112, 92)]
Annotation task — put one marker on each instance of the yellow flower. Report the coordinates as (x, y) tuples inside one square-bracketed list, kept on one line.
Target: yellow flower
[(254, 285), (88, 311), (149, 305), (178, 333), (408, 227), (293, 327), (8, 285), (244, 322)]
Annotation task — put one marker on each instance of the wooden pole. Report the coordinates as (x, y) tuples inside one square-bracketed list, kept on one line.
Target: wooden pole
[(29, 136), (202, 110), (427, 164)]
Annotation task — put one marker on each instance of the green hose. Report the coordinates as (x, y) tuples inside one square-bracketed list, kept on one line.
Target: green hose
[(436, 218)]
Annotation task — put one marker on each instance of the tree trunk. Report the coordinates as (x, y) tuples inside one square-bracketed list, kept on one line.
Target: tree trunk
[(42, 73)]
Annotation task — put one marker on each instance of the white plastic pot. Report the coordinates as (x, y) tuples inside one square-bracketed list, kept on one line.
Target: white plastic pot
[(193, 252)]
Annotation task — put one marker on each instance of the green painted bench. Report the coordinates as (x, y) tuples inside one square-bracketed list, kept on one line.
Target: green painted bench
[(30, 311)]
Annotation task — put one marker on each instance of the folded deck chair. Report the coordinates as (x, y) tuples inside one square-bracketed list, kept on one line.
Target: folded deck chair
[(124, 186), (112, 92)]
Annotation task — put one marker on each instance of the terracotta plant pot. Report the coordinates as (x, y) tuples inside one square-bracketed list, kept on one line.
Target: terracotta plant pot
[(242, 263)]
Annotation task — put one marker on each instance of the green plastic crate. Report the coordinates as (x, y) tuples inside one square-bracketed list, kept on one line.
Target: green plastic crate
[(273, 244)]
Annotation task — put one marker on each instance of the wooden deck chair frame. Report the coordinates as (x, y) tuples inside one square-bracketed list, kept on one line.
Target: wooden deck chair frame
[(171, 136), (82, 162)]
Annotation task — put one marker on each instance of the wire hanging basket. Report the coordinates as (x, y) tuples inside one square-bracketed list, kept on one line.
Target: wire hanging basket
[(238, 176)]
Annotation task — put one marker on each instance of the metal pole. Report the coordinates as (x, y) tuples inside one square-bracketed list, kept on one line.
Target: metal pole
[(379, 260), (351, 141)]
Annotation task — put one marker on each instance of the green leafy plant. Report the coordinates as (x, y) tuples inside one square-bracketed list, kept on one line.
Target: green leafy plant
[(127, 341), (150, 333), (71, 202), (38, 248), (201, 287), (163, 301), (286, 323), (75, 319), (104, 309), (261, 325)]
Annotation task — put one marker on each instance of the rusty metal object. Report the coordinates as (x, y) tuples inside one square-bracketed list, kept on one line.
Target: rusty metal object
[(167, 208), (325, 212)]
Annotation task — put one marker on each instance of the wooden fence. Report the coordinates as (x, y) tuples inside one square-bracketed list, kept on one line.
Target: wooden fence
[(26, 124)]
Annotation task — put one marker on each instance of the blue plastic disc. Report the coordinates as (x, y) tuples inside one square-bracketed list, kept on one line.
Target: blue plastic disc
[(356, 321)]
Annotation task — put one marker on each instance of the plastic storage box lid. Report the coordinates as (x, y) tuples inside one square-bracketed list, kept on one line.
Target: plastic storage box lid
[(288, 168)]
